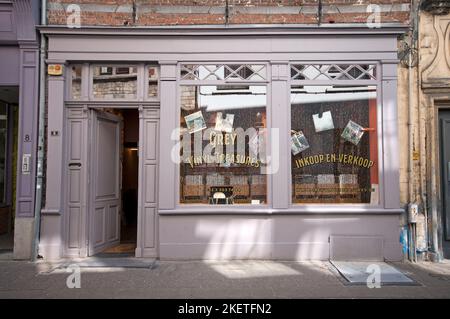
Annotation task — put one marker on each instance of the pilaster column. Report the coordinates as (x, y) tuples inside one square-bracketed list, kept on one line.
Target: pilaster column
[(51, 240), (169, 122), (27, 140), (280, 149), (391, 182), (55, 148)]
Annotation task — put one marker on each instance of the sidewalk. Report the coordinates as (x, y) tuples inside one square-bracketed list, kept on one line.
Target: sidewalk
[(234, 279)]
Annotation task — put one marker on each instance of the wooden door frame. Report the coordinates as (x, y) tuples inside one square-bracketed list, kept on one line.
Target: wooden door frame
[(444, 187), (76, 228), (435, 101)]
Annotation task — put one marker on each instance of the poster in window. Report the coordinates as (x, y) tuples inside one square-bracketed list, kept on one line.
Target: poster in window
[(224, 124), (323, 122), (195, 122), (299, 143), (353, 132)]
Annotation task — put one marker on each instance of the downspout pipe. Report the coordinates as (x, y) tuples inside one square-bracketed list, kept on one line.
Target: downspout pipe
[(41, 136)]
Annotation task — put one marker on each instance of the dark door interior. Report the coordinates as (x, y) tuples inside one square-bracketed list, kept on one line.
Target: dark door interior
[(444, 123)]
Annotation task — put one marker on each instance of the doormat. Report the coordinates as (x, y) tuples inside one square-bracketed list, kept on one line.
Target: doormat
[(111, 262), (357, 273), (121, 248)]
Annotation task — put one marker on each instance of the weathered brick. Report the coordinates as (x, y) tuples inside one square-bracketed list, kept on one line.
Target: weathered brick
[(189, 12)]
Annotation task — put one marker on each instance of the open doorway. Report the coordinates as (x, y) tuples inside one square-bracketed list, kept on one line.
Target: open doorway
[(120, 239)]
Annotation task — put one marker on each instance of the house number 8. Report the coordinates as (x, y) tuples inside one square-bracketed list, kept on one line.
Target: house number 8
[(27, 137)]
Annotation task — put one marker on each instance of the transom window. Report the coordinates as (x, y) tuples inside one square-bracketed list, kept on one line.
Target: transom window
[(333, 72), (109, 82), (114, 82), (242, 72)]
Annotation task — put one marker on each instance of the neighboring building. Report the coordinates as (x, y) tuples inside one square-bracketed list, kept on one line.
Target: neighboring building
[(301, 187), (424, 101), (19, 70)]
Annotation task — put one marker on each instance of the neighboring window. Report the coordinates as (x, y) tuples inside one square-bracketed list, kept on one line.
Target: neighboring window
[(223, 145), (153, 77), (114, 82), (334, 147), (3, 151), (75, 90), (123, 70), (105, 70)]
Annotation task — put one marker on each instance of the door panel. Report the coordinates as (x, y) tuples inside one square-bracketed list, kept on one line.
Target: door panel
[(77, 191), (105, 181), (147, 242), (444, 121)]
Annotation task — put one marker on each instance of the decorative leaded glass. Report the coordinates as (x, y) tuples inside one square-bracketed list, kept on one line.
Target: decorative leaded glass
[(333, 72)]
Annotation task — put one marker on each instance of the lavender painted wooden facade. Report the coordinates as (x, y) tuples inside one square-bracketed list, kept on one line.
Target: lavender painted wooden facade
[(167, 229), (20, 65)]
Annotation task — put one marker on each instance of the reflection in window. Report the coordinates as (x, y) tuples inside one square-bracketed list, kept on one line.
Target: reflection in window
[(153, 81), (334, 144), (3, 150), (75, 92), (115, 82), (223, 145)]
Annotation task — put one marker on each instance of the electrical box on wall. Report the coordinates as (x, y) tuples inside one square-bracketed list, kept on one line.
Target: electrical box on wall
[(413, 213), (26, 167)]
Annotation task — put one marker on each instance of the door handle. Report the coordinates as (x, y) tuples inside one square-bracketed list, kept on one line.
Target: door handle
[(75, 164)]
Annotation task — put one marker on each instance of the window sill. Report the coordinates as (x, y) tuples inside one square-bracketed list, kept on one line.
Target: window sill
[(347, 210)]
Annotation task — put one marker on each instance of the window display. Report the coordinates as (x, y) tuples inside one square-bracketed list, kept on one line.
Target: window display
[(334, 144), (222, 141)]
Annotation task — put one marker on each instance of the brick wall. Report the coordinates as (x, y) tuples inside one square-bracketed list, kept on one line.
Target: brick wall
[(190, 12)]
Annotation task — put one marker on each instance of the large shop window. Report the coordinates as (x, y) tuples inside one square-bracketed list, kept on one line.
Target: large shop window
[(334, 147), (223, 143)]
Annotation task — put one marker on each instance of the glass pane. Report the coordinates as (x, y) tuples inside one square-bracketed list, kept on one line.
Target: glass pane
[(333, 72), (3, 150), (334, 147), (218, 72), (153, 77), (223, 145), (75, 92), (115, 82)]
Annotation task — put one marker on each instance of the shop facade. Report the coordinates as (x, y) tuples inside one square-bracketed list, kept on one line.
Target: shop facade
[(275, 142), (19, 89)]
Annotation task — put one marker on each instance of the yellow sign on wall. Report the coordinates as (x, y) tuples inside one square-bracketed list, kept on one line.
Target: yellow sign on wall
[(54, 69)]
